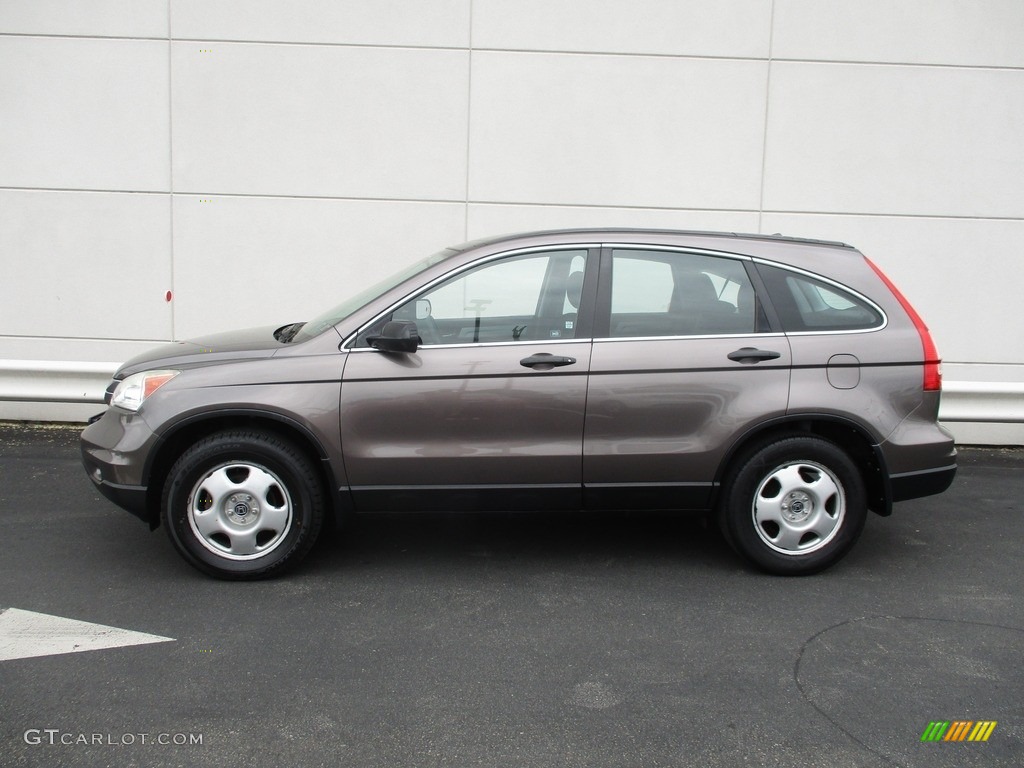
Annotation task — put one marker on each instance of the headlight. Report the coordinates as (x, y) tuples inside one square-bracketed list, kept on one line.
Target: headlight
[(133, 391)]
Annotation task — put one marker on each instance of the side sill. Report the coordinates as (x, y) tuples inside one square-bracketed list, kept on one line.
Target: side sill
[(469, 498), (648, 496)]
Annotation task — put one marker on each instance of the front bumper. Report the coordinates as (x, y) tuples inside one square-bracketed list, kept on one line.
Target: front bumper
[(114, 451)]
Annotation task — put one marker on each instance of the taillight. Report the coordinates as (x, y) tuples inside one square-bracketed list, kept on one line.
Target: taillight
[(932, 363)]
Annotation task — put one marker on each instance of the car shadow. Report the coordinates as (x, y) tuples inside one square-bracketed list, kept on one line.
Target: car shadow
[(451, 540)]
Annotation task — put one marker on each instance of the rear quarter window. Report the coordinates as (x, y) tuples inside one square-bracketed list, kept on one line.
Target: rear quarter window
[(806, 304)]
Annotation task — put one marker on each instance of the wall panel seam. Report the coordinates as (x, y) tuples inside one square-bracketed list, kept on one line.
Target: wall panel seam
[(767, 114), (523, 203), (533, 51), (469, 122), (170, 170)]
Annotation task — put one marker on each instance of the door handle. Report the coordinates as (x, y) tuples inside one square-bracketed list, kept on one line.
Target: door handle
[(545, 361), (751, 355)]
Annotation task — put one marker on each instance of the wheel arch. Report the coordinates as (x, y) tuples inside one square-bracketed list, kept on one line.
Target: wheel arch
[(852, 437), (184, 433)]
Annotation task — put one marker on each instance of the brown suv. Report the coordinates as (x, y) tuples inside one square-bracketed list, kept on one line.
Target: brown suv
[(785, 385)]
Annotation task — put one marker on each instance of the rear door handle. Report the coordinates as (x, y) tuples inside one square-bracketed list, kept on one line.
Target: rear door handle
[(751, 355), (546, 361)]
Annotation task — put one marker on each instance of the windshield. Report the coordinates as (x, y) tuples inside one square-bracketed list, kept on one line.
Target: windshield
[(333, 316)]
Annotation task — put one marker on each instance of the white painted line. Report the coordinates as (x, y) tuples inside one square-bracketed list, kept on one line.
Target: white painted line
[(24, 634)]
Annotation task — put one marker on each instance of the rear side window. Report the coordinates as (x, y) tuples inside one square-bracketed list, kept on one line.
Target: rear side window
[(669, 293), (806, 304)]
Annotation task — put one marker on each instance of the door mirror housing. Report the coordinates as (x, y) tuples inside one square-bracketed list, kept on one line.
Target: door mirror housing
[(397, 336)]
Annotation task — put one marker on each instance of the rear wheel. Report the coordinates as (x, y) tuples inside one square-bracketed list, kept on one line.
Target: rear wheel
[(794, 505), (243, 505)]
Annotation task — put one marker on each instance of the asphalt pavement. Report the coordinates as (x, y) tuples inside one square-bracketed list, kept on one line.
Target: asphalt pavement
[(515, 640)]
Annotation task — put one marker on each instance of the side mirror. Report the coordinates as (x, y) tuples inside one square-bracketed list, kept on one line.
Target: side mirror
[(396, 336)]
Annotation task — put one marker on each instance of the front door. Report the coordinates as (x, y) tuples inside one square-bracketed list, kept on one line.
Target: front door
[(488, 413)]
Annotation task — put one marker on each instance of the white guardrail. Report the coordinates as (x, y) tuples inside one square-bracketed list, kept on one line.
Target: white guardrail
[(992, 402), (54, 381), (60, 381)]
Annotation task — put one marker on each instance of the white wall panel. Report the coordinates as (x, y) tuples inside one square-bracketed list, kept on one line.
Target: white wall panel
[(317, 145), (107, 18), (738, 28), (85, 265), (978, 32), (488, 220), (243, 261), (609, 130), (962, 275), (382, 22), (905, 140), (319, 120), (83, 113)]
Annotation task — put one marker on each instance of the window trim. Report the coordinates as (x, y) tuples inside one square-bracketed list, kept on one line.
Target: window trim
[(760, 335), (597, 295)]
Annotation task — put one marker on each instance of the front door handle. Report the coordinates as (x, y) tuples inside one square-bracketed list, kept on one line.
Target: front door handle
[(545, 362), (751, 355)]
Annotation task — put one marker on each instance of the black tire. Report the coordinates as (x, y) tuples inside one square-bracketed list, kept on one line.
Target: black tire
[(794, 505), (243, 505)]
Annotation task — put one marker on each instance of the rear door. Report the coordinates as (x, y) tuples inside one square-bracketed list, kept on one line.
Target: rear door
[(684, 362), (488, 413)]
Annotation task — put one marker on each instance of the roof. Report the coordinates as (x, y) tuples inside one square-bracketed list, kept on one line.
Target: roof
[(613, 233)]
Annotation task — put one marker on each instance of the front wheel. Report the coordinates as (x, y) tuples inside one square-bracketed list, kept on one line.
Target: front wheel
[(242, 505), (794, 506)]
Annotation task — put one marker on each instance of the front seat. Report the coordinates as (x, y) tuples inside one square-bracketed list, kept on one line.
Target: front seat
[(573, 294), (695, 307)]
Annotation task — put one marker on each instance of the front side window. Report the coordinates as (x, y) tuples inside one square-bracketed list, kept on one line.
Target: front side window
[(805, 304), (530, 297), (664, 293)]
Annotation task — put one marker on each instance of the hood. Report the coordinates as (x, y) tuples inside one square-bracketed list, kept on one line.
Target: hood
[(247, 344)]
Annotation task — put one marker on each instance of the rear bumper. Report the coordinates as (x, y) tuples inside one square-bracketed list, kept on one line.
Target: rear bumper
[(920, 455), (927, 482)]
